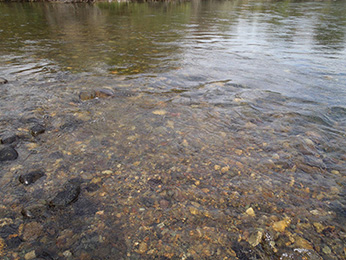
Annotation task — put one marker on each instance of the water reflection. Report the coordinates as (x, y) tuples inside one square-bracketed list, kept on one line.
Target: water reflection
[(206, 130)]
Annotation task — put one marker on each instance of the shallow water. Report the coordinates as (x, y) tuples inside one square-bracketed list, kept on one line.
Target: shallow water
[(225, 137)]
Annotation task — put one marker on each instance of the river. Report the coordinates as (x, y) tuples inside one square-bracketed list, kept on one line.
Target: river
[(173, 130)]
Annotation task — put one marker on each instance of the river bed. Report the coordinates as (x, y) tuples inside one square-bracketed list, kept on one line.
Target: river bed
[(193, 130)]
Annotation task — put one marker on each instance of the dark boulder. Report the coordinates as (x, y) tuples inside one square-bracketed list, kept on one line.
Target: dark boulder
[(31, 177), (37, 130), (8, 153), (9, 138), (68, 195)]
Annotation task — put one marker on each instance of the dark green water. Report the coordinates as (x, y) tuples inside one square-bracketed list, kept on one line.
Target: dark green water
[(224, 139)]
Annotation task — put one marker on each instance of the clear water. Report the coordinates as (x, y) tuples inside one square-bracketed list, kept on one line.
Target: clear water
[(225, 138)]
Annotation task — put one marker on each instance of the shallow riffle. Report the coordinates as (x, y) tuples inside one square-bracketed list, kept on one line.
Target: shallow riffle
[(154, 158)]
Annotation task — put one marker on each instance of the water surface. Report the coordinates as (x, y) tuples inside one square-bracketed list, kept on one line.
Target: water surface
[(225, 137)]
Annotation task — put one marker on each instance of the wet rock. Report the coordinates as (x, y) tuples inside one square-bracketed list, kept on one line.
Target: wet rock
[(30, 255), (56, 155), (92, 187), (302, 243), (35, 212), (164, 204), (143, 247), (327, 250), (32, 231), (3, 81), (280, 226), (104, 93), (256, 238), (68, 195), (70, 124), (87, 95), (8, 153), (37, 130), (250, 212), (9, 138), (31, 177)]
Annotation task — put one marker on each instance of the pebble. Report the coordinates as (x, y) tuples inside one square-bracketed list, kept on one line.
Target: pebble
[(302, 243), (250, 212), (143, 247), (255, 238), (32, 231), (280, 226), (31, 177), (67, 253), (3, 81), (68, 195), (8, 153), (30, 255), (327, 250), (87, 95), (37, 130)]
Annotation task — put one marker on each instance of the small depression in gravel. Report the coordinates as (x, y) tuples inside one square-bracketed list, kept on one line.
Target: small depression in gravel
[(196, 130)]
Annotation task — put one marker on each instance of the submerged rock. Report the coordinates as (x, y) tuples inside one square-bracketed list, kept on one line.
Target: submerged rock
[(3, 81), (68, 195), (8, 154), (37, 130), (32, 231), (87, 95), (9, 138), (37, 211), (99, 93), (31, 177), (104, 93)]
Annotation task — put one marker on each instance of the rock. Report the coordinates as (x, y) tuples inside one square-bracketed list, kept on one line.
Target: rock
[(37, 130), (280, 226), (67, 254), (250, 212), (3, 81), (143, 247), (31, 177), (9, 138), (164, 204), (302, 243), (327, 250), (255, 238), (87, 95), (32, 231), (194, 211), (68, 195), (8, 153), (319, 227), (30, 255), (104, 93), (34, 212)]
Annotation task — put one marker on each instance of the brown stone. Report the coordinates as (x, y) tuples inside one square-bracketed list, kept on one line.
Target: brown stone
[(87, 95), (32, 231)]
